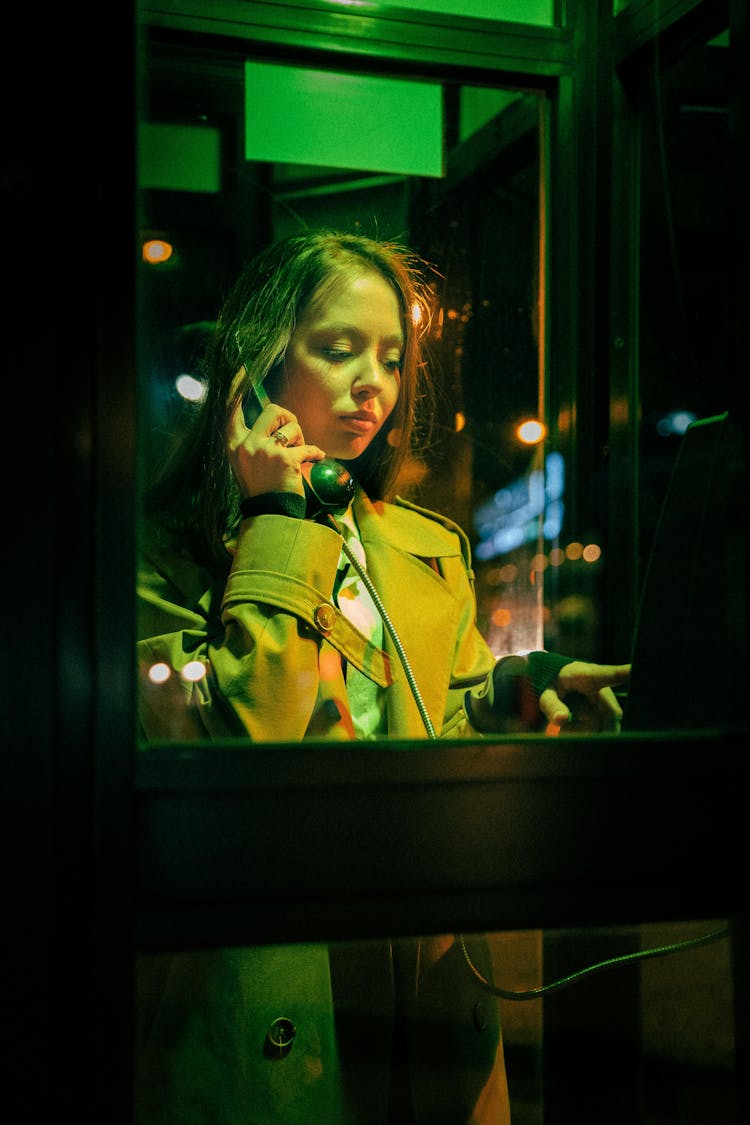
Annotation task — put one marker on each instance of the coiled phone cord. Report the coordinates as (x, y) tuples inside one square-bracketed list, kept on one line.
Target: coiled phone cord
[(391, 630), (600, 966)]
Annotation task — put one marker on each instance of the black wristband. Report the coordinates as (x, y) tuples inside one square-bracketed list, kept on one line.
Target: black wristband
[(275, 504), (544, 668)]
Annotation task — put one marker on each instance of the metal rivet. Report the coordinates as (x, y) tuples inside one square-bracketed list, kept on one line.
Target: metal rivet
[(324, 617), (279, 1038)]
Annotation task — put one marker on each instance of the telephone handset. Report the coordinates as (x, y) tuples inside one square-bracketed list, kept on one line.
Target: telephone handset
[(329, 486)]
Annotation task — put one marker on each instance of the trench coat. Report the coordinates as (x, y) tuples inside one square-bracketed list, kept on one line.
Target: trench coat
[(384, 1031)]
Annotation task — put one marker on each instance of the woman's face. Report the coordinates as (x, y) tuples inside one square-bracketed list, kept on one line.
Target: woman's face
[(342, 370)]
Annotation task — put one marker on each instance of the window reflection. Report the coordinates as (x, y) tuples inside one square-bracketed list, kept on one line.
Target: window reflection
[(691, 460), (686, 277)]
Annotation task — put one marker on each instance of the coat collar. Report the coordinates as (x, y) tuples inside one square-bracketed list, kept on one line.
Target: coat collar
[(409, 528)]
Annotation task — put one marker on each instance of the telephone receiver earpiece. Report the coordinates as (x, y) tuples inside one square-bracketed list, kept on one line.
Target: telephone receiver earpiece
[(329, 488)]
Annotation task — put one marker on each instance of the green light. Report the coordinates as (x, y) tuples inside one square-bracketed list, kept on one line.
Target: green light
[(337, 120)]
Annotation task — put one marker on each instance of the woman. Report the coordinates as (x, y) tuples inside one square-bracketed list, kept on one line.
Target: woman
[(265, 615)]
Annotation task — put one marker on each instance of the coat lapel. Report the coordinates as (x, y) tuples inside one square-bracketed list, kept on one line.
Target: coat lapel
[(400, 545)]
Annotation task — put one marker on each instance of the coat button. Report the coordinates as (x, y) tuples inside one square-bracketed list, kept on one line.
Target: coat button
[(279, 1038), (324, 617)]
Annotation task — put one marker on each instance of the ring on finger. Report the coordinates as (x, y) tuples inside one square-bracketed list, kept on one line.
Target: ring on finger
[(280, 438)]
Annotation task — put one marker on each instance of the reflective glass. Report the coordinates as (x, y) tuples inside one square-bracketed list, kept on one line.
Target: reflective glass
[(634, 1023), (691, 462), (477, 228)]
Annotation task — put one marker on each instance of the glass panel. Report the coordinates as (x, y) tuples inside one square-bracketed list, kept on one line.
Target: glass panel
[(476, 229), (634, 1024), (379, 1029), (540, 13), (691, 491)]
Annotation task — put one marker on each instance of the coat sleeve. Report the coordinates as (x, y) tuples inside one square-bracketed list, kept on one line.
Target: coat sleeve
[(242, 657), (490, 696)]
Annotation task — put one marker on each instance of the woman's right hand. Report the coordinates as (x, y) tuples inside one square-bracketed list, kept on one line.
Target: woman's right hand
[(270, 455)]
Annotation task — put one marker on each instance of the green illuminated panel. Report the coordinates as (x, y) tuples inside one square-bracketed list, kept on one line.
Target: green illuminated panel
[(319, 117), (541, 13)]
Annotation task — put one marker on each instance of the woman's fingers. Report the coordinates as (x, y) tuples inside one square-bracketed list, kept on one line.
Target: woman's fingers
[(582, 676), (583, 699)]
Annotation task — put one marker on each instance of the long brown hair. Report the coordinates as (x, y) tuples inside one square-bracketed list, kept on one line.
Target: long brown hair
[(196, 498)]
